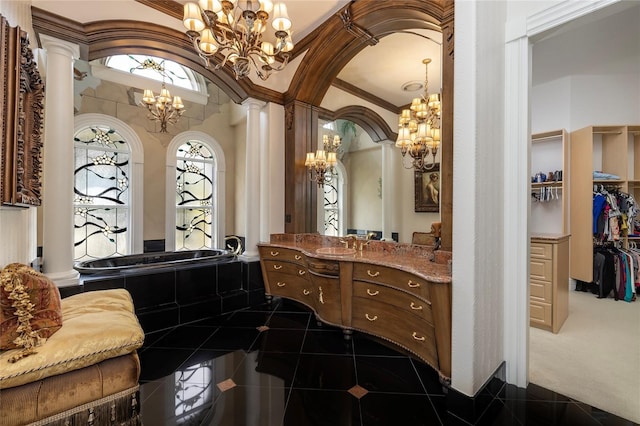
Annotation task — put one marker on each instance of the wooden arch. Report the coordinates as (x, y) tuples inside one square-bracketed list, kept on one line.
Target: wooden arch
[(358, 25), (370, 121)]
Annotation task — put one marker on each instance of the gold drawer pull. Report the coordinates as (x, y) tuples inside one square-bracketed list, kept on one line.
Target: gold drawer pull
[(305, 292), (416, 308), (372, 293), (276, 267), (320, 297), (412, 284), (297, 257), (279, 284), (373, 318), (420, 339), (301, 272), (275, 253), (371, 274)]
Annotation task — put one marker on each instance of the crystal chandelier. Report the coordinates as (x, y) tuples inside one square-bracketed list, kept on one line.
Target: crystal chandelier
[(163, 108), (419, 128), (321, 163), (235, 32)]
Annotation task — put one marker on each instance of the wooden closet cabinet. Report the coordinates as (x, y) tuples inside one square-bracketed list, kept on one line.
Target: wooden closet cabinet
[(549, 281), (610, 149)]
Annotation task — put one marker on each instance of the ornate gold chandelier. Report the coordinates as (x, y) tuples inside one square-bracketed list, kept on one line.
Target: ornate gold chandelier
[(235, 31), (321, 163), (419, 128)]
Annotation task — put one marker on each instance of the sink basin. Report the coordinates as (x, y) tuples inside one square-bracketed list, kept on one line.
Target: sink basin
[(335, 251)]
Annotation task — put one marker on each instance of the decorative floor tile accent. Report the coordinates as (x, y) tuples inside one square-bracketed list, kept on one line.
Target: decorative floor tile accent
[(358, 391), (226, 385), (262, 328)]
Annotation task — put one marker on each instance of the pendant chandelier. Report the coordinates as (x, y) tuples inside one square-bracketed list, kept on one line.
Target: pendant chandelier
[(233, 30), (321, 164), (419, 128), (162, 108)]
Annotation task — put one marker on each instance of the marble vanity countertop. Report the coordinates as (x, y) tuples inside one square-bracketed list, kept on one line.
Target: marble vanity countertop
[(411, 258), (549, 236)]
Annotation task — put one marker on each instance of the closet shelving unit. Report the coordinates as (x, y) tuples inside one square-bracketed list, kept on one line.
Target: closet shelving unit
[(549, 249), (610, 149)]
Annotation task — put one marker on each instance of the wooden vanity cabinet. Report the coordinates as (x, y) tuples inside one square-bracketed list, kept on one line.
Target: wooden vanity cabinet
[(390, 303), (285, 274)]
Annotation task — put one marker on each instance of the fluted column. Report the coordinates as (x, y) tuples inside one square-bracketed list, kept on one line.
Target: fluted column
[(252, 179), (57, 237)]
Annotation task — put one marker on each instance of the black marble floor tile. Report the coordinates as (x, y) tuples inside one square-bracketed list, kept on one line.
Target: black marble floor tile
[(280, 340), (226, 371), (231, 338), (312, 407), (186, 337), (382, 409), (388, 374), (248, 319), (327, 372), (327, 342), (365, 345), (289, 320)]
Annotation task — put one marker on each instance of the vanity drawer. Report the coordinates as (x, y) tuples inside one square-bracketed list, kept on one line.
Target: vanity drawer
[(284, 268), (381, 319), (324, 267), (406, 302), (541, 291), (541, 269), (288, 285), (540, 314), (394, 277), (282, 254), (542, 251)]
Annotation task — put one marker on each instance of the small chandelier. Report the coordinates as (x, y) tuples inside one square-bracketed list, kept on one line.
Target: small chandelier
[(321, 163), (419, 128), (162, 108), (235, 31)]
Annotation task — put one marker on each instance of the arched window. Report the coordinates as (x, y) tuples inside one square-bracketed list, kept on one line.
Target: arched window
[(333, 204), (105, 170), (195, 192)]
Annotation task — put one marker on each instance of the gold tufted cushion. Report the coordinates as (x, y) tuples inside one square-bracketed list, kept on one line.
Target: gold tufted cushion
[(29, 309), (98, 325)]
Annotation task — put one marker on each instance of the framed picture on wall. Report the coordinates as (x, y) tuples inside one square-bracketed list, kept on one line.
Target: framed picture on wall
[(427, 190)]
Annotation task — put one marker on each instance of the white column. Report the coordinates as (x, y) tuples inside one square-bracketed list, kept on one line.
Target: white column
[(252, 179), (515, 225), (388, 194), (57, 235)]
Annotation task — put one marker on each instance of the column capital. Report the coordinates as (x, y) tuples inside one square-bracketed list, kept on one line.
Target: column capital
[(251, 103), (52, 44)]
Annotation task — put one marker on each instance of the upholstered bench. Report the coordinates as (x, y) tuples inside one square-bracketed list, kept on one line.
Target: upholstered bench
[(86, 372)]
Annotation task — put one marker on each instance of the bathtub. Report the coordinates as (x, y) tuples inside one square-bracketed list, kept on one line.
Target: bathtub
[(134, 262)]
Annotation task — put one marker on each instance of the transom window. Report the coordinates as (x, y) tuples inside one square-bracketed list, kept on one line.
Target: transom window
[(155, 69)]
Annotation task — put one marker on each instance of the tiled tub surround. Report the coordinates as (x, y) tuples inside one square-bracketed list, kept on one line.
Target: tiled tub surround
[(398, 292), (168, 296)]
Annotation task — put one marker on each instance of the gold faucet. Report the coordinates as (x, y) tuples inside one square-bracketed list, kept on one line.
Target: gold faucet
[(350, 238)]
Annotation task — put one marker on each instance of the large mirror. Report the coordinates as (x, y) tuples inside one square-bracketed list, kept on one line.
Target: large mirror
[(376, 189)]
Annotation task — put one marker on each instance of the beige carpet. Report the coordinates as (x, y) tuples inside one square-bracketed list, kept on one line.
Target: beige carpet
[(595, 358)]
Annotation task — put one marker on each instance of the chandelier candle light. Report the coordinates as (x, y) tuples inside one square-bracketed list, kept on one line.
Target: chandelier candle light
[(321, 164), (234, 29), (162, 108), (419, 128)]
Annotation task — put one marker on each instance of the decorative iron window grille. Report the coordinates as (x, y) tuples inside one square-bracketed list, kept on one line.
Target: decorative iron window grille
[(331, 208), (195, 167), (101, 193)]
